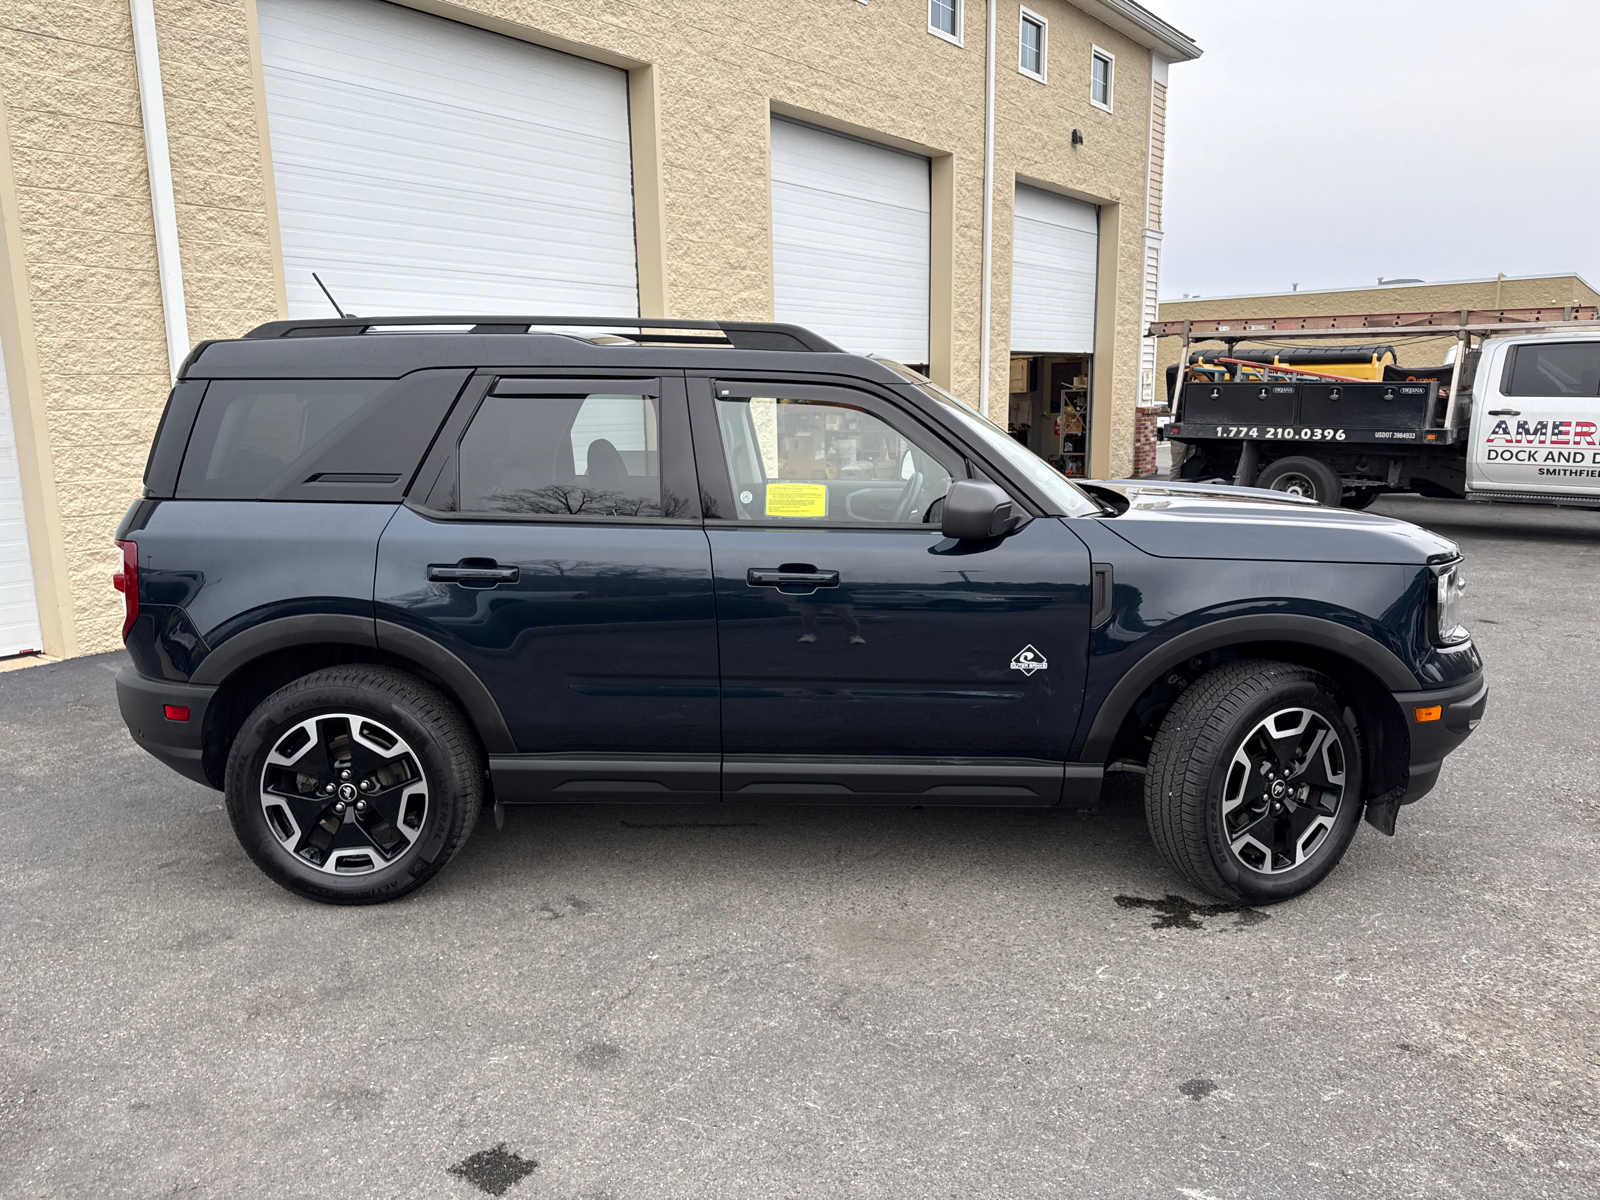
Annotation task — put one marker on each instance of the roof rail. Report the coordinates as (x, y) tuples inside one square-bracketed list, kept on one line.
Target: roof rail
[(739, 335)]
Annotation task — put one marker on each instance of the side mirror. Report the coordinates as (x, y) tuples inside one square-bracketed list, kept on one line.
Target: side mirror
[(976, 510)]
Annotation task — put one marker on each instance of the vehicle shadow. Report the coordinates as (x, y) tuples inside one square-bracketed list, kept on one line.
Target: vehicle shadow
[(1471, 519), (548, 847)]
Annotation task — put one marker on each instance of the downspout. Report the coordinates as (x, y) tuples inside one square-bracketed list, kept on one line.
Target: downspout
[(163, 208), (988, 207)]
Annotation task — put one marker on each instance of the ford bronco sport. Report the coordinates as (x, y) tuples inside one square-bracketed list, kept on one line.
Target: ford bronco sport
[(388, 571)]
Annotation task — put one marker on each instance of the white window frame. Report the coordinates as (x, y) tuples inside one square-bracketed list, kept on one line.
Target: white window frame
[(1030, 17), (1111, 76), (961, 24)]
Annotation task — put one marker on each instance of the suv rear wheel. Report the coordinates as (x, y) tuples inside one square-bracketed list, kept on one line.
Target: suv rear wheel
[(1253, 791), (354, 785)]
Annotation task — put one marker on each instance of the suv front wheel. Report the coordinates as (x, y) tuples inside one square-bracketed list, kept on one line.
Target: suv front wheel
[(354, 785), (1253, 790)]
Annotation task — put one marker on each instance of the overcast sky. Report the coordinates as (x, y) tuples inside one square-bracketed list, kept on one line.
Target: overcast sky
[(1328, 144)]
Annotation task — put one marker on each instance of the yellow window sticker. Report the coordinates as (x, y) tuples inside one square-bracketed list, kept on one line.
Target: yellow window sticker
[(797, 499)]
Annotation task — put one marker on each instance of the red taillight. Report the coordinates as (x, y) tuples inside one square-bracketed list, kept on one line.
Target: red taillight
[(177, 712), (126, 581)]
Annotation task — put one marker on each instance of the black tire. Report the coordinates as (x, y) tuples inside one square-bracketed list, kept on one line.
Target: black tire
[(1194, 771), (424, 797), (1301, 476), (1360, 498)]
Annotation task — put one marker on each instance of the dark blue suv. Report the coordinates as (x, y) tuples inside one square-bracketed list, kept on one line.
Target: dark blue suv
[(389, 570)]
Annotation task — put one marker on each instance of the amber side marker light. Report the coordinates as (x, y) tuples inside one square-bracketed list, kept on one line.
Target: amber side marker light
[(180, 712), (1429, 714)]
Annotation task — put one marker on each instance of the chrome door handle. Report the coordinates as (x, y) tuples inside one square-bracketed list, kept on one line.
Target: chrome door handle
[(1505, 412), (778, 577), (493, 573)]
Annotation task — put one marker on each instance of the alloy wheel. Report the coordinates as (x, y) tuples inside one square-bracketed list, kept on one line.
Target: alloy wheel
[(1284, 789), (344, 794)]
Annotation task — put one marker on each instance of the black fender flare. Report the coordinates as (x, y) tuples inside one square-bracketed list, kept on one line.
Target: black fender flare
[(482, 710), (312, 629), (282, 633), (1316, 633)]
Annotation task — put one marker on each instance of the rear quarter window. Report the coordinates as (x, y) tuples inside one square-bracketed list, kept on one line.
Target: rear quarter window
[(1553, 369), (249, 433)]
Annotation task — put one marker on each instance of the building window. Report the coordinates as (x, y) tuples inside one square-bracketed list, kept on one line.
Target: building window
[(944, 19), (1031, 56), (1102, 76)]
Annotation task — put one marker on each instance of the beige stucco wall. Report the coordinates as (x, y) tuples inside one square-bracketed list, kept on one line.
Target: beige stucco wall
[(85, 307), (86, 300), (1410, 350)]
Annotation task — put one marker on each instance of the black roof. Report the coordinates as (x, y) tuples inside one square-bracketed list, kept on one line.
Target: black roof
[(388, 347)]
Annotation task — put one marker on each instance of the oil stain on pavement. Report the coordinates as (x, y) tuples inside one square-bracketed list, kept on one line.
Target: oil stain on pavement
[(599, 1056), (1179, 913), (494, 1171)]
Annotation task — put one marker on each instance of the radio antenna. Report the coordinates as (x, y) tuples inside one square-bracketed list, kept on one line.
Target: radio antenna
[(329, 295)]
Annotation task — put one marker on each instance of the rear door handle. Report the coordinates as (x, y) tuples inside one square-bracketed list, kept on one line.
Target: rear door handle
[(476, 573), (783, 577), (1505, 412)]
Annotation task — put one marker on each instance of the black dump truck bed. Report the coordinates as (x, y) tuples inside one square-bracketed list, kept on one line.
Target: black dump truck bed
[(1321, 411)]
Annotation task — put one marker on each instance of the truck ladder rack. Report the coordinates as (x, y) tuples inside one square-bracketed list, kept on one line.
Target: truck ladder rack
[(1485, 320), (1464, 323)]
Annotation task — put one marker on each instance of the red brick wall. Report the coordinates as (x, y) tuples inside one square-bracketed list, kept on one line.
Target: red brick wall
[(1144, 443)]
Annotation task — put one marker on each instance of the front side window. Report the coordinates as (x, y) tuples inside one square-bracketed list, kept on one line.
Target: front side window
[(250, 432), (944, 19), (1101, 66), (825, 462), (1063, 498), (551, 456), (1031, 58), (1553, 369)]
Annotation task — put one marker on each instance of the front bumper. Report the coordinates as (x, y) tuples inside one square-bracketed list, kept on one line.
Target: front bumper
[(1460, 709), (177, 743)]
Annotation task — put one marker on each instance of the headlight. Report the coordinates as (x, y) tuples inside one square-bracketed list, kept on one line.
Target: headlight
[(1448, 584)]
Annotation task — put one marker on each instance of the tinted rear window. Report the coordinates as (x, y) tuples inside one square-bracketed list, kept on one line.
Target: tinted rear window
[(592, 455), (1553, 369), (249, 432)]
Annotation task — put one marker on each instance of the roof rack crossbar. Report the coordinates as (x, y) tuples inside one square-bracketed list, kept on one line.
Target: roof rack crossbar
[(741, 335)]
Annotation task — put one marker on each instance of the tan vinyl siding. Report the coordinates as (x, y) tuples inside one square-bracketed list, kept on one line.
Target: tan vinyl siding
[(1158, 152)]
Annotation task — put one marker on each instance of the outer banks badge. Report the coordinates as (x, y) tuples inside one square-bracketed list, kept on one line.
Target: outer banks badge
[(1028, 660)]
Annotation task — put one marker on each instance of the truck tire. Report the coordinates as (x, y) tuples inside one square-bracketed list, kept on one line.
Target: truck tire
[(1301, 476), (1253, 790), (354, 784)]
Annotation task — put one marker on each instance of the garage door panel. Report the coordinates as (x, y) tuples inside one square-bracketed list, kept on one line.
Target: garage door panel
[(375, 134), (1054, 268), (422, 165), (860, 241), (850, 236), (19, 611)]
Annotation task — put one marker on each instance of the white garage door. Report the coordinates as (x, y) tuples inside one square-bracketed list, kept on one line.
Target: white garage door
[(850, 230), (1054, 252), (19, 611), (423, 166)]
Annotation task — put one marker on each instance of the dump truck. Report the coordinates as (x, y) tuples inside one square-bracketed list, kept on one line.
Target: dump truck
[(1512, 416)]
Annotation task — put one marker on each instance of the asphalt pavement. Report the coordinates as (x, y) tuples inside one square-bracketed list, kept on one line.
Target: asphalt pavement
[(637, 1002)]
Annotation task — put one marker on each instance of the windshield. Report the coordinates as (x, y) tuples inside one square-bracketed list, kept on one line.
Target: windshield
[(1069, 500)]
